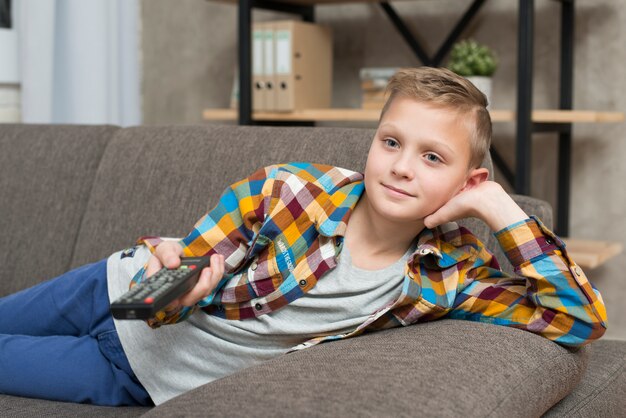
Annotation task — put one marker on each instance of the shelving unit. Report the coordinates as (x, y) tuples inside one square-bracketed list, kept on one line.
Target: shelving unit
[(371, 115), (527, 121)]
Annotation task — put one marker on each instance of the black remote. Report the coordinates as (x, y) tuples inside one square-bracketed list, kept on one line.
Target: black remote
[(147, 298)]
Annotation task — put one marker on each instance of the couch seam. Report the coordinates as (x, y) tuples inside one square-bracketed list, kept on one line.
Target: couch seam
[(525, 380), (82, 217), (586, 400)]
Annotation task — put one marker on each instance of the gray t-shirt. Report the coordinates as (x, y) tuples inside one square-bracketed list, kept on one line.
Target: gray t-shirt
[(176, 358)]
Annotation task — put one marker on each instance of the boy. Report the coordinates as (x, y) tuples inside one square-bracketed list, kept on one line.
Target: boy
[(303, 253)]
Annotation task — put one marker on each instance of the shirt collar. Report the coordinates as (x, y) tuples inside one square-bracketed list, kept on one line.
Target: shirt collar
[(332, 218), (443, 246)]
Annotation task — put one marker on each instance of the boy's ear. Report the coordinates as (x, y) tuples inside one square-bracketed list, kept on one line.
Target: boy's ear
[(476, 176)]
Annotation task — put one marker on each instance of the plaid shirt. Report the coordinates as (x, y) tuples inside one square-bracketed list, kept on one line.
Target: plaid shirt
[(281, 229)]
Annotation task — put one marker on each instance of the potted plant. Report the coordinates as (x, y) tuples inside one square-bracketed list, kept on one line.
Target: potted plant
[(476, 62)]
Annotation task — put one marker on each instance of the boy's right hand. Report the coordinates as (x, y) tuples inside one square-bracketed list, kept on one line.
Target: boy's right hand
[(168, 253)]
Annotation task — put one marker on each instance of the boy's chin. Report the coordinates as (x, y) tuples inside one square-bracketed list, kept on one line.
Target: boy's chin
[(411, 221)]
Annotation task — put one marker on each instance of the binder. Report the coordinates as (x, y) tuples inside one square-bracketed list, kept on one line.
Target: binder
[(262, 66), (268, 66), (258, 66), (303, 66), (284, 67)]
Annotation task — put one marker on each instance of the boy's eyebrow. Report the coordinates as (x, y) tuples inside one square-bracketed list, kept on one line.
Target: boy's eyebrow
[(436, 143), (387, 124)]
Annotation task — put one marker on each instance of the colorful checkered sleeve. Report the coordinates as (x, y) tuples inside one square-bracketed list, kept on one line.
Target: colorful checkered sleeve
[(550, 296), (228, 229)]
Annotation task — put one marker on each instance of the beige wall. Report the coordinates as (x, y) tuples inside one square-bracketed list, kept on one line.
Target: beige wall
[(189, 53)]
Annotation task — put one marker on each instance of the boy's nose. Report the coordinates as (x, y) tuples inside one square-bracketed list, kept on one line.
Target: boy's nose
[(403, 168)]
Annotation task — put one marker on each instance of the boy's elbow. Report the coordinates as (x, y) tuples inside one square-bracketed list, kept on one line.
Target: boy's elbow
[(582, 333), (598, 330)]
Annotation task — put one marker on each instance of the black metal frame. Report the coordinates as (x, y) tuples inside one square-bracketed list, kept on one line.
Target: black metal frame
[(445, 48), (566, 101), (520, 179), (5, 14)]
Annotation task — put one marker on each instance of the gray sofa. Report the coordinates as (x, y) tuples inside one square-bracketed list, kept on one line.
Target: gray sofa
[(74, 194)]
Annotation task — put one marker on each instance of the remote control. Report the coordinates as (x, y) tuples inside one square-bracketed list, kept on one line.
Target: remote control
[(145, 299)]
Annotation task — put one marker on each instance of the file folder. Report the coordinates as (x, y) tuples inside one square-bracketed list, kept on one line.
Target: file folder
[(258, 68), (303, 66), (268, 66), (263, 66)]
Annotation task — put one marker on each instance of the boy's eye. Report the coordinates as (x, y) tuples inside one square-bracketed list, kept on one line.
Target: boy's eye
[(391, 143), (433, 158)]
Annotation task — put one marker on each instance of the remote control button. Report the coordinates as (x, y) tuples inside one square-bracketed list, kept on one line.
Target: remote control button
[(148, 300), (192, 267)]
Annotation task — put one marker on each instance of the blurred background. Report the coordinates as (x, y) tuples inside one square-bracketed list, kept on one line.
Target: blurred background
[(163, 62)]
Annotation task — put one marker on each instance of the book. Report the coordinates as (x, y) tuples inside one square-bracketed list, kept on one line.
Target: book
[(369, 73)]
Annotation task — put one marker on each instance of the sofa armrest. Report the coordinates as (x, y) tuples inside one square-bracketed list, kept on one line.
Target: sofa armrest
[(534, 206), (428, 369)]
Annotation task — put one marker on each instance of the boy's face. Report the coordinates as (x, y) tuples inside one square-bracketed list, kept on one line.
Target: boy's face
[(418, 160)]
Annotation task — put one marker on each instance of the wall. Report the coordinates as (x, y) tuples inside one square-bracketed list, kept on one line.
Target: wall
[(190, 52), (9, 72)]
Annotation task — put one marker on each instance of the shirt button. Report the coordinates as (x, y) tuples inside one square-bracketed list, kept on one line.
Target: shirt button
[(258, 306), (549, 241), (303, 283), (423, 251), (253, 266), (577, 270)]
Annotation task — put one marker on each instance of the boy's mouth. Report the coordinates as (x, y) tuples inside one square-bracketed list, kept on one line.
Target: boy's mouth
[(397, 190)]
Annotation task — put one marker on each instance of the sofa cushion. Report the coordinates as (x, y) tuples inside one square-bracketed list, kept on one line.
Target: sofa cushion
[(602, 392), (46, 174), (478, 369)]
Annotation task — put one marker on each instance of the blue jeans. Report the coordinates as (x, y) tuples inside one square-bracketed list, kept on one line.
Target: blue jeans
[(58, 342)]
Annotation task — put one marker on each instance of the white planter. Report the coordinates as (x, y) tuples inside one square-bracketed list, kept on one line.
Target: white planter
[(483, 84)]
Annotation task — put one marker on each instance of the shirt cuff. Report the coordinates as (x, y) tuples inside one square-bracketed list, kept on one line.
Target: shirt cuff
[(526, 240)]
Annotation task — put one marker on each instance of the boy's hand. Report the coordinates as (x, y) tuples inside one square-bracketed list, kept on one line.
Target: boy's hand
[(487, 201), (168, 254)]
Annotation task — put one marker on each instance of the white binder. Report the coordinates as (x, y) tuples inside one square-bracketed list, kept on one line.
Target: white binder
[(258, 67)]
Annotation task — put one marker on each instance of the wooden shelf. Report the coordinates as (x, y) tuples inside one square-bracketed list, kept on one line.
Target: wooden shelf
[(590, 254), (372, 115)]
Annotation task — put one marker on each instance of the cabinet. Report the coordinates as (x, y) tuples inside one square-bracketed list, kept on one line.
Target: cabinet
[(526, 120)]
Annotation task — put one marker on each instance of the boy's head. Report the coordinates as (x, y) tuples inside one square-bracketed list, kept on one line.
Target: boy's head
[(432, 137), (440, 87)]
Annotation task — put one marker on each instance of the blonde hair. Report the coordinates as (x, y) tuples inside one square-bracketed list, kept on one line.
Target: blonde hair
[(442, 87)]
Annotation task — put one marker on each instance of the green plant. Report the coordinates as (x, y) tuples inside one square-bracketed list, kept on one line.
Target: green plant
[(469, 58)]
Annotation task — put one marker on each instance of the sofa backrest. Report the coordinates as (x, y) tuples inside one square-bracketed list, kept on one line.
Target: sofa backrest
[(46, 175), (161, 180)]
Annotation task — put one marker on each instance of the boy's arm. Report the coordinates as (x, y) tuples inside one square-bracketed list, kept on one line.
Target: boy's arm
[(227, 229), (551, 297), (487, 201)]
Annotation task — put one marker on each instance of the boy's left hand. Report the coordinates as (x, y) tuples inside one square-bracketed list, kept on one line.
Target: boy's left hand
[(487, 201)]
